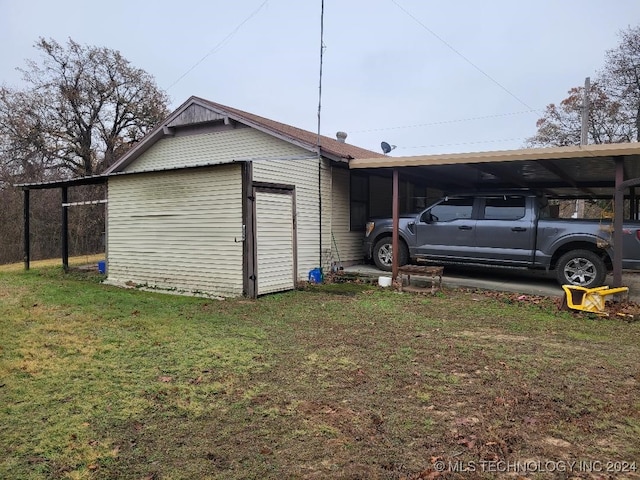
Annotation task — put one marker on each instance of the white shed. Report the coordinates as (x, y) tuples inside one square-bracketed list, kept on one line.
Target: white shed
[(223, 202)]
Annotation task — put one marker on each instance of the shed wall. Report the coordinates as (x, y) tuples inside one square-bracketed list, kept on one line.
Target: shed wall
[(328, 250), (177, 230), (224, 146), (349, 243)]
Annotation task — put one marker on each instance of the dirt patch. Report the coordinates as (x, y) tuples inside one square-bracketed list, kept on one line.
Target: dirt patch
[(493, 336)]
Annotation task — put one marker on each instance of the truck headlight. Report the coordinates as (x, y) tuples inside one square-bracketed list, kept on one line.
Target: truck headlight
[(369, 228)]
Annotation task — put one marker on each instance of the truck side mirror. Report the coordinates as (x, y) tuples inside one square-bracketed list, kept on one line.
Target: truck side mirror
[(426, 217)]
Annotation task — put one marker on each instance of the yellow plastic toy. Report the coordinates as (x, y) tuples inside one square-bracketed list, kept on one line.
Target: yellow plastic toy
[(589, 299)]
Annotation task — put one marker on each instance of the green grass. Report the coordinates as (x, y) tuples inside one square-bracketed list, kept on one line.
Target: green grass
[(336, 381)]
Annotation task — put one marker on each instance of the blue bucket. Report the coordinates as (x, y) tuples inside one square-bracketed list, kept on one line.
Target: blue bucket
[(102, 267), (315, 275)]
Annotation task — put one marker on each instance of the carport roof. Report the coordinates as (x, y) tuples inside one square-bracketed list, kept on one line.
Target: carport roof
[(574, 171)]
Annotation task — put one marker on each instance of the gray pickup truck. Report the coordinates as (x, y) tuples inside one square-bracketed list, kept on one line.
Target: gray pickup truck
[(505, 229)]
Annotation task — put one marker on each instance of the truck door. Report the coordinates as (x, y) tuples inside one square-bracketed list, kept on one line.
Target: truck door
[(505, 229), (447, 230)]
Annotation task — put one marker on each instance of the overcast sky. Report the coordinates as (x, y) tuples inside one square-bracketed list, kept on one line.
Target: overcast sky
[(427, 76)]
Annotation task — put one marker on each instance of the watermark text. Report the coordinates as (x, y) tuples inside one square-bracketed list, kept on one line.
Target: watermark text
[(536, 466)]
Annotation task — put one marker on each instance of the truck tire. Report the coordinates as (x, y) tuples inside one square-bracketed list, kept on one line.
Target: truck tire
[(383, 254), (581, 267)]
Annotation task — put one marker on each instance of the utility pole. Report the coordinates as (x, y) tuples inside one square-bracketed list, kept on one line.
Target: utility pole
[(584, 138), (584, 135)]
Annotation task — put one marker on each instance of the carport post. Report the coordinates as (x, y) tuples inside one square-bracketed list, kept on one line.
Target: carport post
[(394, 235), (618, 208), (27, 232), (65, 229)]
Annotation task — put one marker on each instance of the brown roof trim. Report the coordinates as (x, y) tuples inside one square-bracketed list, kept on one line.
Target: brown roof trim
[(103, 178), (72, 182), (330, 148), (147, 141)]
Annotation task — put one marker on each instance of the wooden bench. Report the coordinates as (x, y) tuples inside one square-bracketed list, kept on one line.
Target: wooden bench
[(433, 272)]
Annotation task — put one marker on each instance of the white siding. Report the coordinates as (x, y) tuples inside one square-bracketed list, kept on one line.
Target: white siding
[(176, 230), (328, 253), (216, 147), (274, 242), (304, 175), (349, 243)]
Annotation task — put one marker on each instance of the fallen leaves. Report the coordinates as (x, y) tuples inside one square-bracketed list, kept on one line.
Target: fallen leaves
[(469, 442)]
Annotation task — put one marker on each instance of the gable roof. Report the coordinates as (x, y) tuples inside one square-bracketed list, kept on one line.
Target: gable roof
[(329, 146), (206, 111)]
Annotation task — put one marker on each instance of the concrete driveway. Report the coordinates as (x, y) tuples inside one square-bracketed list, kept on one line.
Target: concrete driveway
[(529, 282)]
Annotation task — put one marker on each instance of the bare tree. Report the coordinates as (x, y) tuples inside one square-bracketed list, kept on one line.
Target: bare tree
[(622, 74), (561, 124), (84, 106), (614, 102)]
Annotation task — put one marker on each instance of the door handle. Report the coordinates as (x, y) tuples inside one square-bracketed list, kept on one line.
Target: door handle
[(518, 229), (465, 227), (244, 235)]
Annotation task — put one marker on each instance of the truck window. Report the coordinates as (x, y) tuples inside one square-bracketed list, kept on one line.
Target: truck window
[(504, 208), (451, 209)]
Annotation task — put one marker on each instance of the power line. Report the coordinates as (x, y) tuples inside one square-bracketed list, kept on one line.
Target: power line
[(450, 47), (444, 122), (502, 140), (221, 44)]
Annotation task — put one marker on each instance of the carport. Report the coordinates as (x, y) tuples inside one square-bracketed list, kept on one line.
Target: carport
[(610, 171), (64, 186)]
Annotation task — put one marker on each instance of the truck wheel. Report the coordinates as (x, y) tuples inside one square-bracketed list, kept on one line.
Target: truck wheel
[(581, 267), (383, 254)]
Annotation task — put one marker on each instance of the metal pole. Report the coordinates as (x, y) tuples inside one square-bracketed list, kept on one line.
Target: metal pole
[(27, 232), (65, 231), (396, 224), (318, 138), (618, 207), (584, 137)]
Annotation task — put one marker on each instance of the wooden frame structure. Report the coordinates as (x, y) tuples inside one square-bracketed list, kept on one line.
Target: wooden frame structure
[(64, 186)]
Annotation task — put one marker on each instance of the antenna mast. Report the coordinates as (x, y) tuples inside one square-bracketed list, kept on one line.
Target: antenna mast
[(318, 139)]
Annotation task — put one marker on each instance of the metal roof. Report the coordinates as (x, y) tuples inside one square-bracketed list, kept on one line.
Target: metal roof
[(102, 178), (330, 147), (72, 182), (575, 171)]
